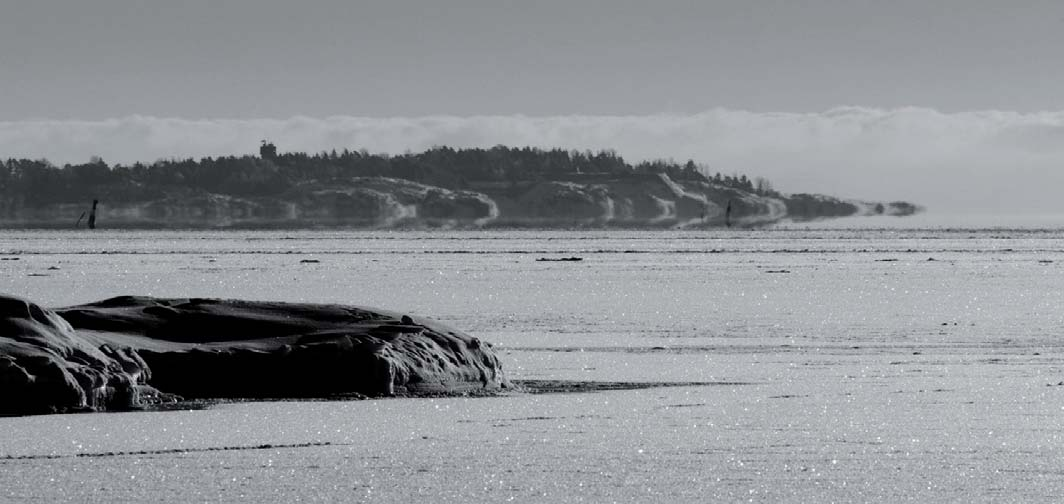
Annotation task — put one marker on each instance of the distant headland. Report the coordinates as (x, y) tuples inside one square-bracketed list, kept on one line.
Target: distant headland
[(441, 187)]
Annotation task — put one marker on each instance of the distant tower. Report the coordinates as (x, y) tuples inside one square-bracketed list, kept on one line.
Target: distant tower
[(267, 150)]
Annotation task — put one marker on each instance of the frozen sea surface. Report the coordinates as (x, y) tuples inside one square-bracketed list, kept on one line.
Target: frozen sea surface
[(837, 365)]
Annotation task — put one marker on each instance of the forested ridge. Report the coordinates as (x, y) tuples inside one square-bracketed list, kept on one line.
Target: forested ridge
[(349, 187), (273, 173)]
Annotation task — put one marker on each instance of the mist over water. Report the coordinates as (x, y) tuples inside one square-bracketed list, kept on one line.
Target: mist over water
[(966, 165)]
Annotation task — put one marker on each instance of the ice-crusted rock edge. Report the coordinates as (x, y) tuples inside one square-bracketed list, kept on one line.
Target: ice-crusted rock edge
[(121, 352)]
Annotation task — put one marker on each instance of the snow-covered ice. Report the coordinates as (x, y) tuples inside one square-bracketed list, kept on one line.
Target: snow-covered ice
[(835, 365)]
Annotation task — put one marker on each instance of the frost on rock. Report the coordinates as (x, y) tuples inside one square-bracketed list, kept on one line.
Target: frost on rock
[(104, 355)]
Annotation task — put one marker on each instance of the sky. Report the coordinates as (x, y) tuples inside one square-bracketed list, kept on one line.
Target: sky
[(869, 99)]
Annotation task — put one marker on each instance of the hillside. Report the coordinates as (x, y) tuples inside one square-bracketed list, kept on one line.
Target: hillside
[(442, 187)]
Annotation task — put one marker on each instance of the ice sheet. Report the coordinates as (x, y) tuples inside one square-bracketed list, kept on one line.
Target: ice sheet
[(845, 365)]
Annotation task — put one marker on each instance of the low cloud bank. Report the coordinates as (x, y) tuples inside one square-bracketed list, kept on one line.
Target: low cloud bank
[(982, 161)]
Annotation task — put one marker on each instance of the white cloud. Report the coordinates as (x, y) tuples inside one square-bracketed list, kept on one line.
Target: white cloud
[(985, 161)]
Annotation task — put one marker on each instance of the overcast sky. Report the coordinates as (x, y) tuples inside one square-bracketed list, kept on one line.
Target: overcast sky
[(965, 88)]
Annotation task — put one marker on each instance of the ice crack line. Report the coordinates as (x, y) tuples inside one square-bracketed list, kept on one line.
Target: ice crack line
[(171, 451)]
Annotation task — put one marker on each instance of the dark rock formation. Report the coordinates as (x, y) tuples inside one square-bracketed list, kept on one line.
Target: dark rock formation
[(46, 367), (104, 355)]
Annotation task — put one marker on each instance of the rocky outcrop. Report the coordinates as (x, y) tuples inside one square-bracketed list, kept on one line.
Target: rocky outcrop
[(642, 200), (119, 353), (380, 201), (632, 200), (46, 367)]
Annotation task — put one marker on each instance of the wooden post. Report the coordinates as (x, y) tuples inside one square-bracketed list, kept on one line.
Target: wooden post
[(92, 215)]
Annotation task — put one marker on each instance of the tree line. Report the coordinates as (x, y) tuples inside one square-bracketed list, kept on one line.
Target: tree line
[(39, 182)]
